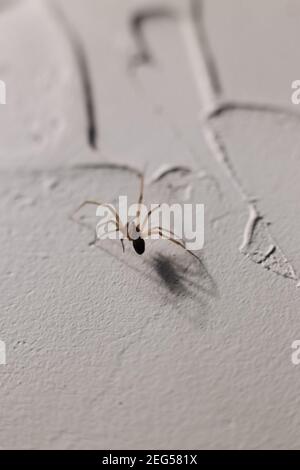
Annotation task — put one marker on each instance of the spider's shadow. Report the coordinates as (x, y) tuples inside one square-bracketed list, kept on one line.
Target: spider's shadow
[(182, 279), (189, 286), (171, 274)]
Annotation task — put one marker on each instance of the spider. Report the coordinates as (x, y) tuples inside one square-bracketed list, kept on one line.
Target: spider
[(135, 231)]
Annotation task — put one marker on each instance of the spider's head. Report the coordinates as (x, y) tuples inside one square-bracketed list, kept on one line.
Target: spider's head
[(133, 231)]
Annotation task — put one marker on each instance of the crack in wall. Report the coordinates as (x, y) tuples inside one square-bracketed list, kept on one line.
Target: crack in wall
[(136, 26), (81, 61), (210, 76), (258, 244), (228, 106), (167, 169), (257, 238), (253, 219), (256, 233), (195, 39)]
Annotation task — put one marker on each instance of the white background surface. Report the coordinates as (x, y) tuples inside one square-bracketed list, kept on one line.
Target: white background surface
[(106, 350)]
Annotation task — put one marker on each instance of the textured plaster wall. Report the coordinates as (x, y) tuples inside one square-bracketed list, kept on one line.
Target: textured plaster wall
[(106, 350)]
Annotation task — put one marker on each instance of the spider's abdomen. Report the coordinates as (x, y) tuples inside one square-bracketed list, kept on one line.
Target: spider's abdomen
[(139, 245)]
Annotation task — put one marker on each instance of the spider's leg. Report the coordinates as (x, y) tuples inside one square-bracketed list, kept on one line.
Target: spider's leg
[(159, 231), (96, 203), (109, 207), (94, 241), (117, 221), (168, 233), (107, 222), (110, 221), (108, 233), (97, 237), (148, 216), (117, 229), (141, 196)]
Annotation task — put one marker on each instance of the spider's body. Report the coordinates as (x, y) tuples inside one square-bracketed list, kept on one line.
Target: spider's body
[(139, 245), (135, 236), (135, 231)]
